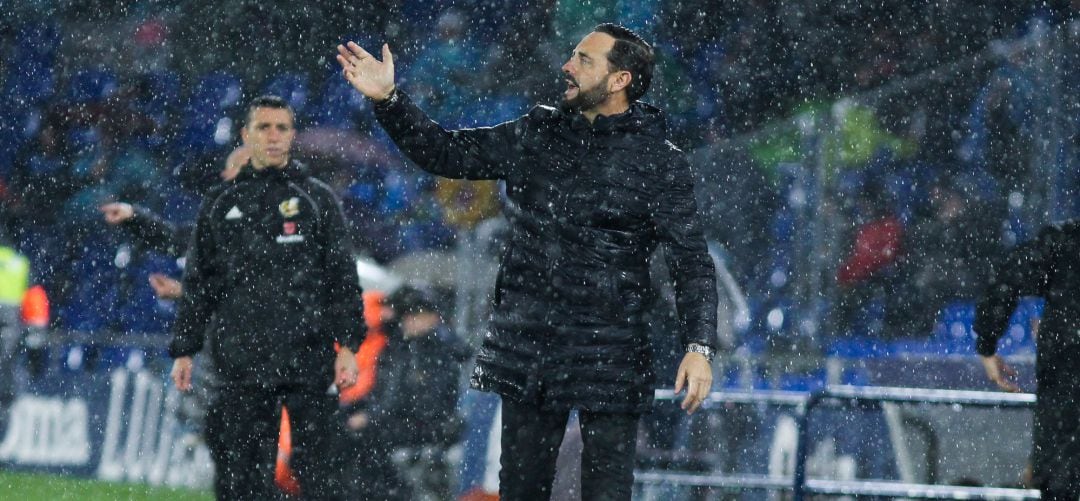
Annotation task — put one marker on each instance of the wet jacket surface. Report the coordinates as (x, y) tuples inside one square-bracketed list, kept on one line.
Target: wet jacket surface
[(587, 204), (270, 272), (1049, 267)]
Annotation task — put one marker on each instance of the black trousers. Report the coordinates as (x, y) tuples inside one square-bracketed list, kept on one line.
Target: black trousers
[(242, 426), (369, 469), (1052, 495), (530, 445)]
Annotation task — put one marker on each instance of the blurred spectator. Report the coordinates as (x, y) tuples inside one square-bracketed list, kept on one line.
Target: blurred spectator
[(422, 357), (14, 282), (737, 201), (441, 74), (947, 256), (999, 128), (867, 274), (41, 177), (466, 204)]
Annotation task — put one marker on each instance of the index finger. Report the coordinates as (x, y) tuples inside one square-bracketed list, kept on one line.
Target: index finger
[(691, 395), (182, 379), (701, 395)]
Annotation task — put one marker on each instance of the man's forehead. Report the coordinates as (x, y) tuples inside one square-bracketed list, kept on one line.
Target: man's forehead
[(275, 115), (596, 44)]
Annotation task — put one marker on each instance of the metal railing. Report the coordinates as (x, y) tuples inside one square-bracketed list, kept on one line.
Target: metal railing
[(804, 403)]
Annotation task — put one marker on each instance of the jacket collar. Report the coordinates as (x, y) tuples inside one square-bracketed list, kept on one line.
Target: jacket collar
[(639, 118), (293, 171)]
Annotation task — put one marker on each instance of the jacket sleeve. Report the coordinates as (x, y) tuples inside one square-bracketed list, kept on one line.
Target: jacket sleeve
[(154, 232), (1023, 272), (200, 287), (480, 153), (678, 225), (344, 314)]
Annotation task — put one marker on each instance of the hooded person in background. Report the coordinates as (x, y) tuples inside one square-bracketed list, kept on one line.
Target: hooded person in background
[(406, 438), (593, 187)]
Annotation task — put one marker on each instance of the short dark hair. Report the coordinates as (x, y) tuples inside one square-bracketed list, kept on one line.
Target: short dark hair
[(268, 101), (630, 53)]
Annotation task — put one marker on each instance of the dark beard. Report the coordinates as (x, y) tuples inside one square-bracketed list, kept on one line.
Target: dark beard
[(586, 100)]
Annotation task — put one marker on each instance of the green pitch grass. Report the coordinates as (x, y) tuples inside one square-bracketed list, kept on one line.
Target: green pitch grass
[(34, 487)]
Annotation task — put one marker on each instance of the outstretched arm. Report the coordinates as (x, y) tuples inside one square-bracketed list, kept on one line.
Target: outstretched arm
[(150, 229), (479, 153)]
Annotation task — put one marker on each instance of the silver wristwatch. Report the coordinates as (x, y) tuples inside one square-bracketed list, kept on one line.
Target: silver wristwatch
[(709, 353)]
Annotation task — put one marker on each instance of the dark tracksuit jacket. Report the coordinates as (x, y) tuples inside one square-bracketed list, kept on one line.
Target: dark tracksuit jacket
[(587, 204), (269, 271), (1048, 266)]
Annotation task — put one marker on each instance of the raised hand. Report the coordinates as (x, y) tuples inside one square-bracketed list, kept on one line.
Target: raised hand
[(373, 78), (117, 212)]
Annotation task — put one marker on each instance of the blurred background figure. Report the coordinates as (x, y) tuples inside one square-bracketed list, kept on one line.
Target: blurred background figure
[(407, 425)]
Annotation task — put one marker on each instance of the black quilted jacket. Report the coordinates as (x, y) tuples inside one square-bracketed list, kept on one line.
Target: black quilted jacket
[(587, 205)]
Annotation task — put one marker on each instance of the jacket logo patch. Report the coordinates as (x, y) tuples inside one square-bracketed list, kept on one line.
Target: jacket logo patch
[(234, 213), (289, 239), (290, 207), (289, 228)]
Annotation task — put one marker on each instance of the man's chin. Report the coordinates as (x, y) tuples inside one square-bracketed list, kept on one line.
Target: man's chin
[(572, 105), (278, 162)]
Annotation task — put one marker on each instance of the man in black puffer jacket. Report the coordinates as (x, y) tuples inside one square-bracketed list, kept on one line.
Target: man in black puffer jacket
[(270, 273), (593, 187), (1045, 267)]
